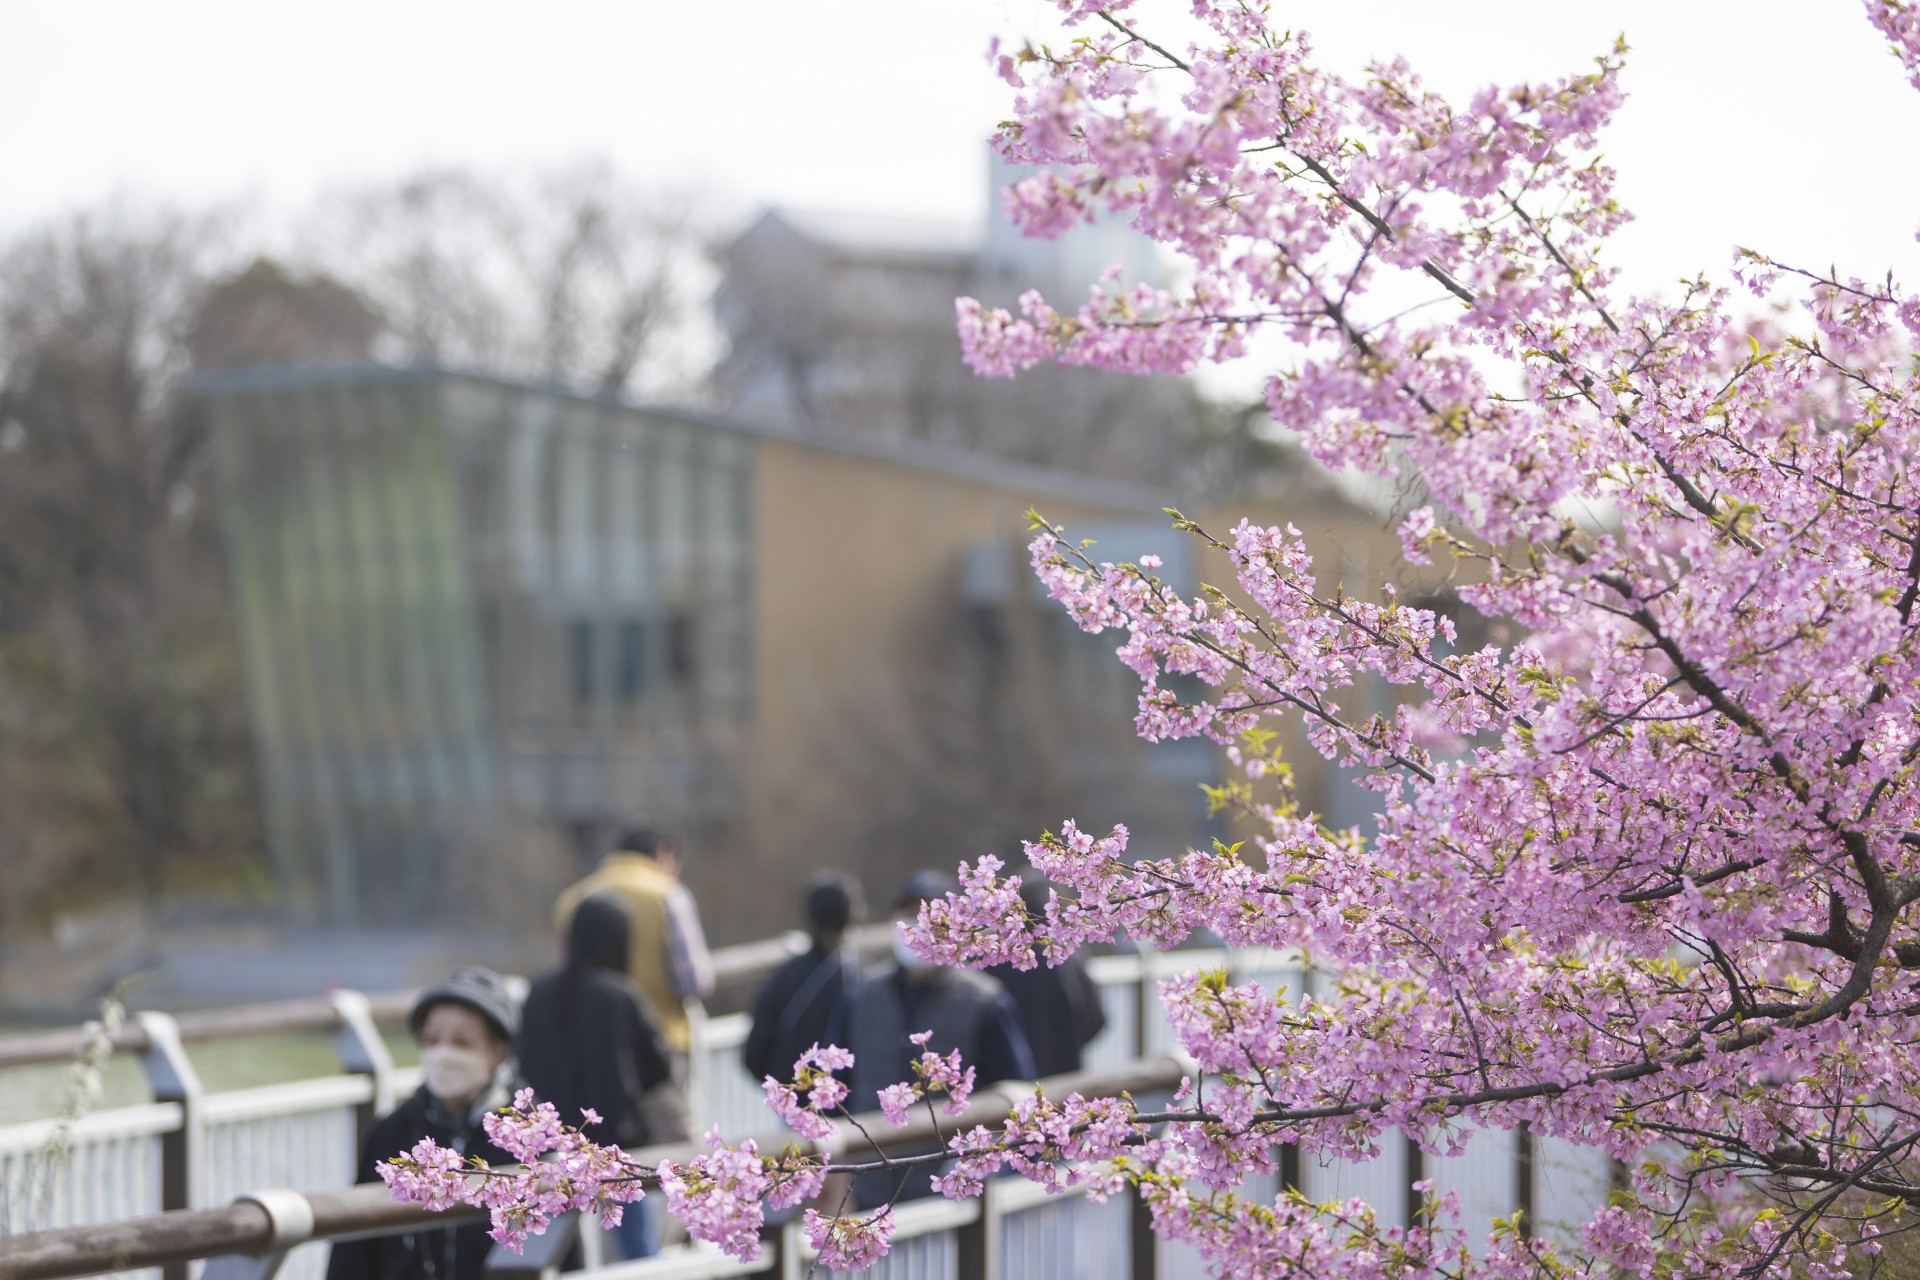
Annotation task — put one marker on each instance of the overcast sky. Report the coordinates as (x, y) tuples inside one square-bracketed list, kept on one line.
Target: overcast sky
[(1785, 126)]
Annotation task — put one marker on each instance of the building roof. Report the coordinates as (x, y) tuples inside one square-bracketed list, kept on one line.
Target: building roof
[(881, 235), (984, 468)]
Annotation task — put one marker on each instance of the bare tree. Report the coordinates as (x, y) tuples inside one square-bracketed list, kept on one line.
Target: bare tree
[(266, 315), (122, 742), (572, 275)]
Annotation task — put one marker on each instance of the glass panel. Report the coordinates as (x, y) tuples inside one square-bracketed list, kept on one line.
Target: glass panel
[(629, 660), (580, 660)]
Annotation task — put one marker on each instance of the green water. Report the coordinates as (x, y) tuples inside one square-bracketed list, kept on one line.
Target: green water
[(35, 1093)]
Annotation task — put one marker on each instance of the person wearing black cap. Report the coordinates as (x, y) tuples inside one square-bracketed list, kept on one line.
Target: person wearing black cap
[(904, 995), (465, 1028), (803, 1002)]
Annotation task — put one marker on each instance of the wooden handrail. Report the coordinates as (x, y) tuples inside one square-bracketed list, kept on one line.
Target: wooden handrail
[(185, 1234), (311, 1013), (136, 1242)]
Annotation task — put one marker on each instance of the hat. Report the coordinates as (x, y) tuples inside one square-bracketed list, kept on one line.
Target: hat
[(924, 885), (834, 901), (479, 989)]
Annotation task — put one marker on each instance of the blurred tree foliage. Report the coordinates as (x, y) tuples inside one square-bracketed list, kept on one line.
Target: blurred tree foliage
[(571, 275), (125, 766), (122, 731)]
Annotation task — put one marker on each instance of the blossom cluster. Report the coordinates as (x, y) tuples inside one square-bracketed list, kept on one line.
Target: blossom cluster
[(719, 1195), (813, 1076), (847, 1243), (933, 1073), (1655, 837), (566, 1173)]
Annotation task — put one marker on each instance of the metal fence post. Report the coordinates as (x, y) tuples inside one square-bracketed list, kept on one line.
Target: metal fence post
[(363, 1051), (1413, 1204), (1143, 1242), (977, 1243), (699, 1067), (1146, 995), (793, 1255), (183, 1153), (1523, 1178)]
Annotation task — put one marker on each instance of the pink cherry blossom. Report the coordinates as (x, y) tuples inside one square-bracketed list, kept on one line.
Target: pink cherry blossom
[(850, 1244), (719, 1196), (1646, 865)]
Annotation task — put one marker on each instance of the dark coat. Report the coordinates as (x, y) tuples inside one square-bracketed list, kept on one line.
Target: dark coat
[(1060, 1011), (442, 1253), (965, 1011), (802, 1005), (586, 1040)]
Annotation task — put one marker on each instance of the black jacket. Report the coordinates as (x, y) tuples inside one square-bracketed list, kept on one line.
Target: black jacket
[(442, 1253), (586, 1040), (800, 1006), (1060, 1011), (965, 1011)]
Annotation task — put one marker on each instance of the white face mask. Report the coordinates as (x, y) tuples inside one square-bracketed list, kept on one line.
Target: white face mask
[(455, 1075), (904, 957)]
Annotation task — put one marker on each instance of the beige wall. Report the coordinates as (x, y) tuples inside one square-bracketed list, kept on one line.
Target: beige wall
[(871, 748), (860, 717)]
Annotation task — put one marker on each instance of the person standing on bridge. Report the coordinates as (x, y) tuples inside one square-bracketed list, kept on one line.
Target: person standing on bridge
[(465, 1028), (667, 957), (905, 995), (804, 1002)]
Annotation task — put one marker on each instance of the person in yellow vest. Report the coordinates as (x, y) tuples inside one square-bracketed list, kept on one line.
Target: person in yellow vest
[(667, 957)]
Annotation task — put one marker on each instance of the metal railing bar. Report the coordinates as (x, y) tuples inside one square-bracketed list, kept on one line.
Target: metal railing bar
[(296, 1097), (727, 1031), (243, 1227), (148, 1120), (1113, 970), (307, 1014), (1017, 1195), (357, 1212), (696, 1261), (151, 1241), (931, 1217)]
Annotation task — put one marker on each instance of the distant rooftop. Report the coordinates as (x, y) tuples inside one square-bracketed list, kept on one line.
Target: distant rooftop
[(987, 468), (884, 233)]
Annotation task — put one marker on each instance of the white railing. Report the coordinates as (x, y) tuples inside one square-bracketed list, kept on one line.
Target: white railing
[(94, 1169), (194, 1149), (720, 1092)]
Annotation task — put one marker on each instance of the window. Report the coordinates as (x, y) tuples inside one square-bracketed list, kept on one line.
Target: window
[(682, 665), (580, 653), (629, 660)]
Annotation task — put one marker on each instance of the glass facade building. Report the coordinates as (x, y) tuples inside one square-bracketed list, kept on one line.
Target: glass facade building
[(484, 622), (467, 603)]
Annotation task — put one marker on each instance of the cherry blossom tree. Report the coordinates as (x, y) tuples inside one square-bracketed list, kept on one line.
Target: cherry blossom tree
[(1643, 880)]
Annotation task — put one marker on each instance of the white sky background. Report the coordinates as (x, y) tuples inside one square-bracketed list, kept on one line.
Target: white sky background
[(1784, 126)]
